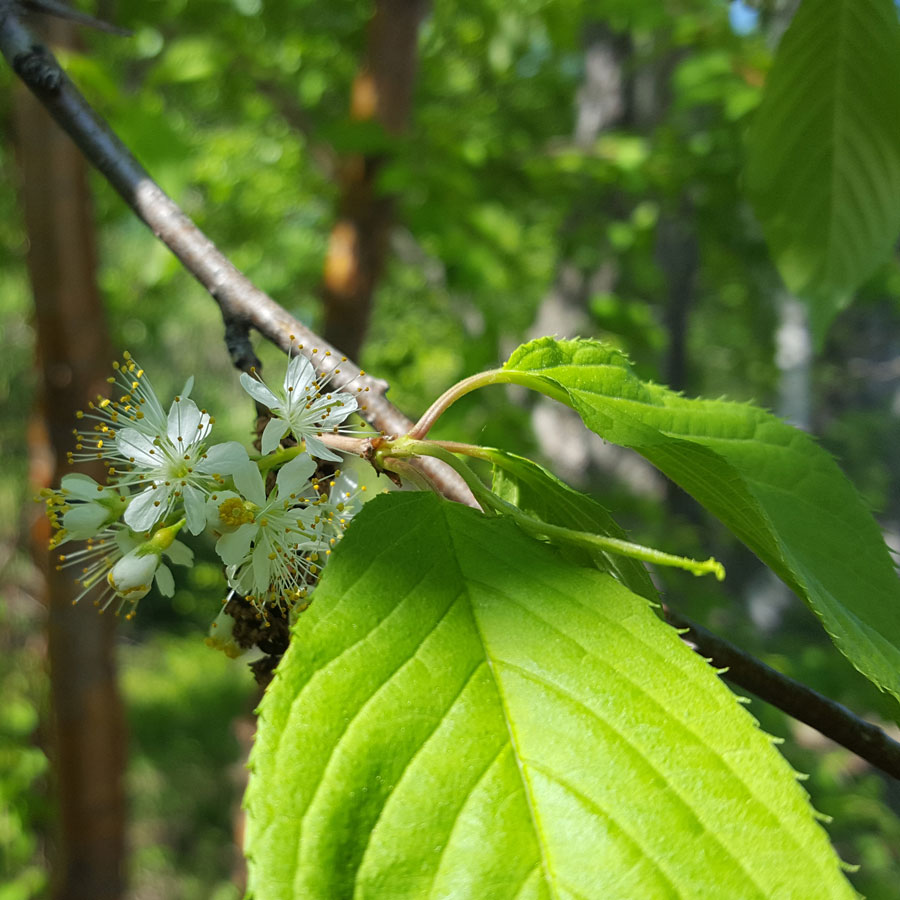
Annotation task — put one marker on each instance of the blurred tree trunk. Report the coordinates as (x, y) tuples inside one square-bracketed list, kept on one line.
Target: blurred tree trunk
[(382, 92), (73, 358), (677, 255)]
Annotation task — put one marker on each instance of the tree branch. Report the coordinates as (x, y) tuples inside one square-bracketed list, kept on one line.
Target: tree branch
[(242, 304), (829, 718)]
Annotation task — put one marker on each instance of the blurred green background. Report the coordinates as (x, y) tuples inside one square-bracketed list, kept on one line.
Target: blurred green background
[(570, 167)]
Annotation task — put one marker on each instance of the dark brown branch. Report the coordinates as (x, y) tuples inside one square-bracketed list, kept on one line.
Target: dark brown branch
[(829, 718), (242, 304)]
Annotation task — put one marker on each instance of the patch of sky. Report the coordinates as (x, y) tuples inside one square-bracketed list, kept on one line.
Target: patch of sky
[(743, 17)]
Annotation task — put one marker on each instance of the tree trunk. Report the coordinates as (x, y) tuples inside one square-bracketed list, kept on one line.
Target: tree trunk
[(73, 358), (359, 240)]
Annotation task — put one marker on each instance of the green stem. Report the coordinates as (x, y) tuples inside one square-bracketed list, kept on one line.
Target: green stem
[(483, 379), (625, 548), (491, 502), (340, 442), (472, 450), (406, 447), (277, 458)]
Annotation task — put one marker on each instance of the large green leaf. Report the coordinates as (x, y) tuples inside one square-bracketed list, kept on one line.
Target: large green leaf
[(824, 155), (463, 715), (771, 484), (541, 494)]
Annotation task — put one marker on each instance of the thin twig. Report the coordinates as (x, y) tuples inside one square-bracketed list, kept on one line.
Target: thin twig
[(828, 717), (242, 304)]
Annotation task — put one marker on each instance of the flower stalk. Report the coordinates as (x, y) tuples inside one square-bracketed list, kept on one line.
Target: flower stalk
[(484, 379), (492, 504)]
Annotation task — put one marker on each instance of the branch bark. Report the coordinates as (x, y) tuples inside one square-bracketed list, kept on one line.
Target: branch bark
[(242, 304), (828, 717)]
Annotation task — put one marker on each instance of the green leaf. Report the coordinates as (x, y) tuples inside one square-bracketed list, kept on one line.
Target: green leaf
[(461, 714), (771, 484), (541, 494), (824, 156)]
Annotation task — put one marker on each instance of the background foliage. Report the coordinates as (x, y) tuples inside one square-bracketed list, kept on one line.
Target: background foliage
[(240, 110)]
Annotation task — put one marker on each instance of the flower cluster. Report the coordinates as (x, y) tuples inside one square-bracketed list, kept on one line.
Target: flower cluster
[(276, 517)]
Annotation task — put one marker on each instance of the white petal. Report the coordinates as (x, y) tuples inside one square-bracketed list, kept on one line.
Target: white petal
[(293, 477), (272, 434), (249, 483), (194, 508), (258, 391), (349, 477), (85, 520), (262, 568), (180, 554), (138, 448), (340, 406), (223, 459), (164, 580), (154, 420), (127, 540), (188, 387), (317, 449), (233, 548), (132, 575), (82, 487), (300, 375), (143, 513), (240, 579), (185, 422)]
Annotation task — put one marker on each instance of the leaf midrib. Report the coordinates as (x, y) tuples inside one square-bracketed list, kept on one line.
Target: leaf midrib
[(495, 665)]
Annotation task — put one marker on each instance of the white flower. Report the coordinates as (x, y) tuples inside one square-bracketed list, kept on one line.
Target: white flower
[(272, 546), (82, 508), (221, 637), (166, 456), (342, 496), (304, 408), (176, 465), (124, 565), (132, 576)]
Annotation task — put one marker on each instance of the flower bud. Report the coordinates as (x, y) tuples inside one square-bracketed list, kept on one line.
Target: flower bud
[(132, 576), (221, 637), (163, 537)]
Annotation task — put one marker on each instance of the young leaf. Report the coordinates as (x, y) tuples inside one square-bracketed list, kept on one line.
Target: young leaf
[(779, 492), (541, 494), (824, 156), (461, 714)]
